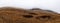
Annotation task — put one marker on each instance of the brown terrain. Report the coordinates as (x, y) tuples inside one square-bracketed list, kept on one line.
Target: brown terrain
[(14, 15)]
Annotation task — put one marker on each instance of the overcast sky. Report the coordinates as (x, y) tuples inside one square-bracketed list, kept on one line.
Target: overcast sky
[(44, 4)]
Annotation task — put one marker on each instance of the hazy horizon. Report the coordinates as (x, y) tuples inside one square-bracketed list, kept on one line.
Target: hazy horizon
[(43, 4)]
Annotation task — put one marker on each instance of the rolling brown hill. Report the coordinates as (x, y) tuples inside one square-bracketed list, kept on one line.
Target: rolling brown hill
[(14, 15)]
